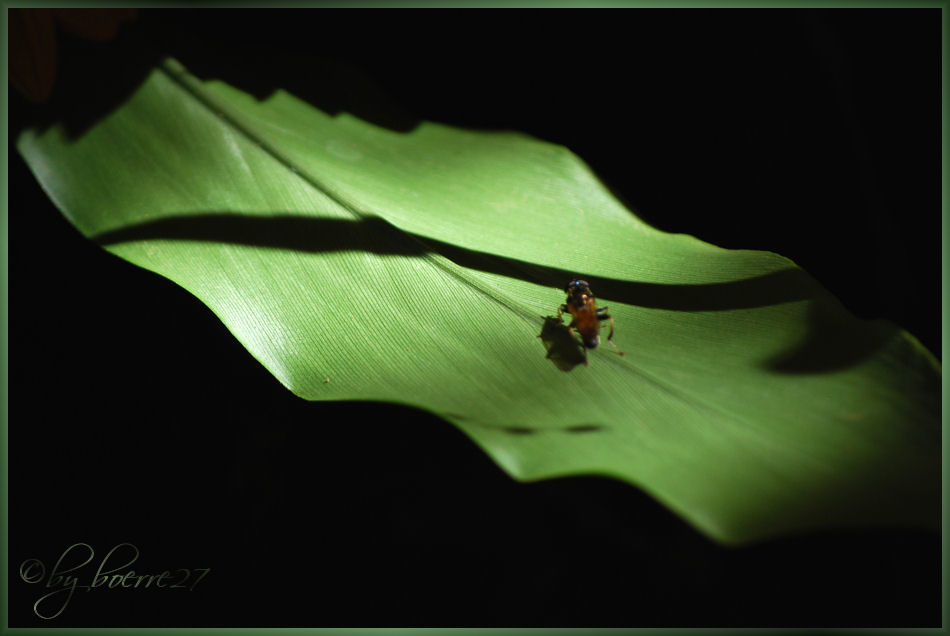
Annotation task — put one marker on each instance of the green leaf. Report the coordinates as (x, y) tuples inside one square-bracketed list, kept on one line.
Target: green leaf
[(426, 268)]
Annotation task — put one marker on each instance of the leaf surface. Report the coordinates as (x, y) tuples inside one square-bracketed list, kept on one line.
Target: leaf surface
[(426, 268)]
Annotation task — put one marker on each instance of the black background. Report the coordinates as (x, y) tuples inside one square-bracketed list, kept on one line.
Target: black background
[(812, 134)]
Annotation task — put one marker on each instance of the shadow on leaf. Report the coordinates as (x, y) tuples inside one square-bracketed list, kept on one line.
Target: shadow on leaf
[(831, 343), (373, 234)]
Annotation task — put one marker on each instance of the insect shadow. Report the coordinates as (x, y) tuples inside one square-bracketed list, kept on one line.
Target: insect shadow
[(564, 351)]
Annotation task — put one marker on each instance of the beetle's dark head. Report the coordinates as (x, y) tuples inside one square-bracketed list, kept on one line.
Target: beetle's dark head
[(576, 286)]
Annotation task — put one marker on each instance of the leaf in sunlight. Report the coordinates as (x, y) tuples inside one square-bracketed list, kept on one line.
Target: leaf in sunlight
[(425, 267)]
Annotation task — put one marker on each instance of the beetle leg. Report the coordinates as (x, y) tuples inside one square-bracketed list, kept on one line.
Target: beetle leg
[(579, 342), (570, 330), (576, 337), (603, 315), (616, 350)]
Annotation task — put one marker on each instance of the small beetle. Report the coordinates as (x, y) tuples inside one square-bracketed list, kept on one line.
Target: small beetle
[(586, 318)]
